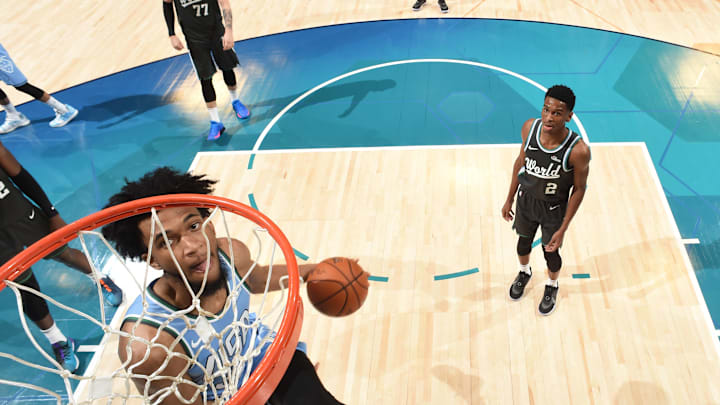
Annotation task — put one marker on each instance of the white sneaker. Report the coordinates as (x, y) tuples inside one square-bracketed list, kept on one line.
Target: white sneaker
[(62, 119), (13, 121)]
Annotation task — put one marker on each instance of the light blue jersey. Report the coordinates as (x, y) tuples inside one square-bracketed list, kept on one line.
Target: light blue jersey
[(9, 72), (159, 311)]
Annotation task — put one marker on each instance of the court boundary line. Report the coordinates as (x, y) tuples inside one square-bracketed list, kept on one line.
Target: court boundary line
[(683, 251)]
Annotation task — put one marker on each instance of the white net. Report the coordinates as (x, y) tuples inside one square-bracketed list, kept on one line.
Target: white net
[(196, 353)]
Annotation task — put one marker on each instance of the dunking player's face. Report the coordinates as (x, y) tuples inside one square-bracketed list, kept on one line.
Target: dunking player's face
[(183, 226), (554, 116)]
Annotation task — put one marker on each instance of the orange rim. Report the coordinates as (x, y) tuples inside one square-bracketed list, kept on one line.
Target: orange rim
[(267, 375)]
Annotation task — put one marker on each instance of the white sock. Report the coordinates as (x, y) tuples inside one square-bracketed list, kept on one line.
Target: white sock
[(56, 105), (10, 109), (234, 94), (526, 268), (54, 334), (552, 283), (214, 116)]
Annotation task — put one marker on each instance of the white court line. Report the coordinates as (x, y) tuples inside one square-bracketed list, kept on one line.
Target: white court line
[(697, 81), (88, 348), (275, 119), (683, 252), (200, 155), (691, 241)]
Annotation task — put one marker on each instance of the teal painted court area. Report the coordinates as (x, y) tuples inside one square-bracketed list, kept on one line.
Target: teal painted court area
[(629, 89)]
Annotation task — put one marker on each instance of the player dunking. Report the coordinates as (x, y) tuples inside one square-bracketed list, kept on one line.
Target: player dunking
[(208, 39), (168, 294), (23, 223), (553, 160)]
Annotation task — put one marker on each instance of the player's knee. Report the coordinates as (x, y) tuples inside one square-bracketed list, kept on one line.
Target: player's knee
[(229, 77), (33, 91), (524, 246), (34, 306), (208, 90), (553, 260)]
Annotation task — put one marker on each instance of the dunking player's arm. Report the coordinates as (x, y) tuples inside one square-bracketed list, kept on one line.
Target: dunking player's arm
[(580, 161), (507, 212), (259, 276)]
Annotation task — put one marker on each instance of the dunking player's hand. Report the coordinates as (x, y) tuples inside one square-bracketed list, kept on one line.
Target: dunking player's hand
[(176, 43), (556, 241), (227, 40)]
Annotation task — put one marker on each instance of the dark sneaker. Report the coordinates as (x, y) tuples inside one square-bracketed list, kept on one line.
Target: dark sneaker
[(518, 286), (549, 300), (418, 4), (65, 355), (111, 292), (443, 6)]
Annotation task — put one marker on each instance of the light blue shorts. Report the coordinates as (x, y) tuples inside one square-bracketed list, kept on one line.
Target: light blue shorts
[(9, 72)]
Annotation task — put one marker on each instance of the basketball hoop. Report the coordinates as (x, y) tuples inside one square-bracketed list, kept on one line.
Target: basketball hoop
[(257, 388)]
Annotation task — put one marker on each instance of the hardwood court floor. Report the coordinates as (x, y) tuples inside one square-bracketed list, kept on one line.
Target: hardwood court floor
[(86, 39), (634, 332)]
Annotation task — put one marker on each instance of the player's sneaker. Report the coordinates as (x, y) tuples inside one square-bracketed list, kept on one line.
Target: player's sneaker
[(13, 121), (443, 6), (62, 119), (517, 289), (549, 300), (418, 4), (216, 129), (241, 112), (111, 292), (65, 355)]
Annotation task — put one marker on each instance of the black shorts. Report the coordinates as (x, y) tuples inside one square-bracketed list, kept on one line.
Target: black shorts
[(26, 230), (206, 55), (531, 212)]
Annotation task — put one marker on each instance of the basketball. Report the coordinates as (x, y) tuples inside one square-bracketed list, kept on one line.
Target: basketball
[(337, 286)]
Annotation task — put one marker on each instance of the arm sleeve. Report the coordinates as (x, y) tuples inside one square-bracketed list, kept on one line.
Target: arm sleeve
[(27, 184), (169, 17)]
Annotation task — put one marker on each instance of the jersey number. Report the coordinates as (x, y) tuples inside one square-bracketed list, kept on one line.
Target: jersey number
[(198, 8), (3, 190), (550, 188)]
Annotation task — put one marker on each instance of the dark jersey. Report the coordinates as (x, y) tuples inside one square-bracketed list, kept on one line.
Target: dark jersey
[(13, 204), (547, 174), (200, 20)]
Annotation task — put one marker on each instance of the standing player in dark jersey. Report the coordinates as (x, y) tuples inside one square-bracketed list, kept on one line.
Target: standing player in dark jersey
[(552, 161), (22, 224), (207, 40)]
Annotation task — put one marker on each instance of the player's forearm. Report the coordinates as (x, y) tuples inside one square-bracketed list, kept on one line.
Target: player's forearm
[(257, 280), (169, 17), (514, 182), (227, 16), (28, 185), (573, 204)]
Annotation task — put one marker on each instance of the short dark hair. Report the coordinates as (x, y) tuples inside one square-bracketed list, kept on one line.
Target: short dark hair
[(562, 93), (164, 180)]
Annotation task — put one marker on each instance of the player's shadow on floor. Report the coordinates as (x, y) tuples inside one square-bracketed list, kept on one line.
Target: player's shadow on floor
[(631, 391), (356, 91), (454, 377), (118, 110)]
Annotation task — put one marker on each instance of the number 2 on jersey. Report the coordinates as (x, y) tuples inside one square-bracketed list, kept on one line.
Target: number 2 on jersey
[(198, 8), (550, 188)]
